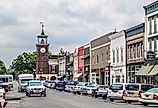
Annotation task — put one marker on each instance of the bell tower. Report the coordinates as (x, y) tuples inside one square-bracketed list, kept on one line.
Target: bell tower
[(42, 51)]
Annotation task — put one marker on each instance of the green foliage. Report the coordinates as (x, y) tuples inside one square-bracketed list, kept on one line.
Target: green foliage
[(24, 63), (3, 69), (62, 52)]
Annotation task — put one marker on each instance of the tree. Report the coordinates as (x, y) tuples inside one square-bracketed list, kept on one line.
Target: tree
[(3, 69), (62, 52), (24, 63)]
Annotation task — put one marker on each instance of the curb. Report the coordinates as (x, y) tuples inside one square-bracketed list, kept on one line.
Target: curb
[(16, 98)]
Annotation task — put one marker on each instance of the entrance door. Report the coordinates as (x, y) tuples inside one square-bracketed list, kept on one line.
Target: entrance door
[(102, 78)]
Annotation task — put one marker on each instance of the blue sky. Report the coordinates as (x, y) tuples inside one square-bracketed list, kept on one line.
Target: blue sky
[(69, 23)]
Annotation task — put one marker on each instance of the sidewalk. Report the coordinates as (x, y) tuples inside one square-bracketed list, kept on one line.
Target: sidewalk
[(13, 95)]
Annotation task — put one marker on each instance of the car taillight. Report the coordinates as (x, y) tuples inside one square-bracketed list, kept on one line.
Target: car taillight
[(3, 95), (155, 96)]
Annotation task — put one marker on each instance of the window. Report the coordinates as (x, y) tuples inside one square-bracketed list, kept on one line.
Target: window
[(138, 48), (117, 55), (155, 25), (92, 59), (117, 79), (141, 50), (150, 26), (129, 53), (134, 51), (121, 54), (155, 44), (150, 44), (97, 61), (113, 52), (102, 57)]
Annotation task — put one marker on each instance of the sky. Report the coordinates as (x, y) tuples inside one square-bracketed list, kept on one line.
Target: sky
[(69, 23)]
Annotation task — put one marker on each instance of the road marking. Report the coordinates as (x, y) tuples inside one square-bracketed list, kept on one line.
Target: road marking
[(13, 102)]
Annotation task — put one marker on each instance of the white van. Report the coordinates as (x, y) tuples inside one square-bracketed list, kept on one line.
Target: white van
[(7, 80), (23, 80), (115, 91)]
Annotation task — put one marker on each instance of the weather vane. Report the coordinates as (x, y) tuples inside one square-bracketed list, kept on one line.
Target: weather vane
[(42, 23)]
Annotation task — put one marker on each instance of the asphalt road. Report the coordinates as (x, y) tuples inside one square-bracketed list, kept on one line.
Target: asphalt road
[(57, 99)]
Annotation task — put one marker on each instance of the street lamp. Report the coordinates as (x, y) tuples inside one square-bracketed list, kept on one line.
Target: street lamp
[(40, 72), (109, 66)]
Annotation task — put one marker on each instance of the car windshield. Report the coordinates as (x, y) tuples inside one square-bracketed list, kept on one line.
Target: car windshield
[(132, 87), (35, 83), (146, 87), (116, 87), (91, 86), (25, 81), (153, 90), (71, 83)]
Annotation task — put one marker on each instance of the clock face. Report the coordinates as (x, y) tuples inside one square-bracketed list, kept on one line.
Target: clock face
[(43, 50)]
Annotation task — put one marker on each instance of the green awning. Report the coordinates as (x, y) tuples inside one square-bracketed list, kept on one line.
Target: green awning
[(144, 70), (154, 71)]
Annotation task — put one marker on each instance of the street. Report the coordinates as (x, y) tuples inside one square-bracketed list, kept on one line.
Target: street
[(55, 99)]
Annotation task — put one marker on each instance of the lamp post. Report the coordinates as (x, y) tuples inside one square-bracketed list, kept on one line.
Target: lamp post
[(109, 66), (40, 72)]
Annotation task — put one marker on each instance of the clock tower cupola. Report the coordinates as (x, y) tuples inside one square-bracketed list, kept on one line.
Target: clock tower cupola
[(42, 50)]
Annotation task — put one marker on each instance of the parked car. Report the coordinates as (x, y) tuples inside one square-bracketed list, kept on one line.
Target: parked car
[(149, 97), (2, 97), (70, 86), (101, 91), (133, 91), (89, 89), (60, 86), (77, 89), (35, 87), (115, 91), (5, 86)]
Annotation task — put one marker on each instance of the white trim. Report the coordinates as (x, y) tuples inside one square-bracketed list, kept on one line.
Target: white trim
[(97, 47)]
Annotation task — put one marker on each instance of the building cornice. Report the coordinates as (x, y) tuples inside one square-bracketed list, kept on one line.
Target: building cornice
[(151, 8)]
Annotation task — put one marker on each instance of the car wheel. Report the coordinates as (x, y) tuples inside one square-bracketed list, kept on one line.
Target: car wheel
[(26, 94), (74, 92), (145, 104), (104, 96), (44, 94), (111, 100), (79, 93), (95, 96), (129, 102)]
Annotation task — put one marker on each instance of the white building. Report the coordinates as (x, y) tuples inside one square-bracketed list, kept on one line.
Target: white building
[(118, 57), (62, 66), (151, 28), (75, 63)]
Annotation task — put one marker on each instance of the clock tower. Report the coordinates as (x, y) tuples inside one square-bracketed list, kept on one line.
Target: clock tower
[(42, 50)]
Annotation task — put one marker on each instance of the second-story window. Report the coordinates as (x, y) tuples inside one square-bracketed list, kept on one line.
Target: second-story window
[(134, 51), (97, 59), (113, 53), (138, 50), (155, 25), (141, 49), (155, 44), (150, 44), (117, 55), (150, 26), (102, 55), (121, 54)]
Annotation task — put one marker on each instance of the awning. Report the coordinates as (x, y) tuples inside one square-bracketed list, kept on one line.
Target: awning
[(77, 75), (85, 74), (144, 70), (154, 71)]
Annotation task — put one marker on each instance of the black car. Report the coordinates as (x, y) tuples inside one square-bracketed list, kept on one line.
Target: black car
[(101, 92), (61, 85)]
